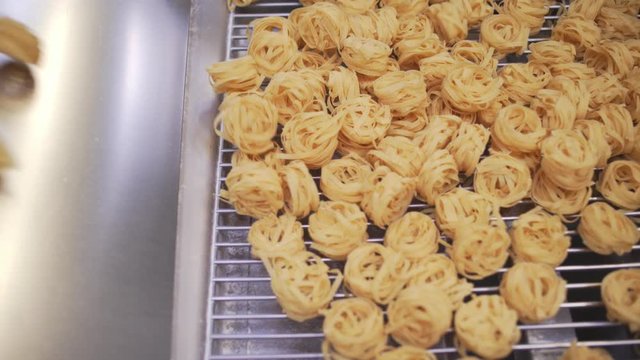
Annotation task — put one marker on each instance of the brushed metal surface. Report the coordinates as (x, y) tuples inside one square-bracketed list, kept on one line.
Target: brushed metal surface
[(88, 213)]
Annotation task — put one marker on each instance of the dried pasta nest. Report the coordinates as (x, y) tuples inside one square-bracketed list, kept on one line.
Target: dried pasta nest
[(605, 230), (407, 8), (366, 81), (416, 27), (440, 271), (487, 326), (576, 352), (236, 75), (438, 105), (387, 196), (272, 235), (272, 45), (617, 25), (460, 208), (354, 329), (337, 228), (530, 13), (475, 53), (479, 250), (470, 88), (321, 61), (438, 134), (399, 154), (342, 85), (311, 137), (503, 179), (567, 160), (505, 33), (450, 20), (403, 91), (438, 174), (610, 56), (254, 190), (539, 237), (376, 272), (248, 121), (409, 125), (364, 123), (619, 127), (405, 353), (293, 92), (574, 71), (414, 235), (301, 283), (552, 52), (301, 195), (365, 56), (620, 184), (556, 110), (322, 26), (575, 90), (620, 291), (435, 68), (586, 9), (344, 179), (467, 146), (577, 31), (556, 199), (595, 135), (523, 81), (518, 128), (411, 51), (604, 89), (533, 290), (419, 316)]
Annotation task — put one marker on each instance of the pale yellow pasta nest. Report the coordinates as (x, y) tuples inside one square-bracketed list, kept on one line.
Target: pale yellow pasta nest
[(521, 82), (414, 235), (632, 83), (405, 353), (438, 105), (467, 146), (487, 326), (237, 75), (460, 208), (552, 52), (381, 24), (480, 9), (342, 85), (574, 71), (575, 90), (530, 13), (356, 6), (403, 91), (416, 27), (594, 132), (450, 20), (419, 316), (376, 272), (272, 45), (440, 271), (556, 199), (365, 56), (311, 137), (470, 88), (366, 81), (301, 195), (436, 67), (475, 53), (504, 33), (411, 51), (407, 8), (619, 125), (539, 237), (438, 134), (387, 196), (438, 174), (586, 9), (254, 189), (518, 128), (581, 33), (555, 109), (617, 25), (301, 283), (567, 159), (533, 290), (344, 179), (273, 235), (364, 123), (610, 56), (620, 184), (606, 230), (399, 154), (479, 250), (337, 228), (321, 26), (620, 291), (293, 92), (409, 125), (576, 352), (503, 179), (353, 329)]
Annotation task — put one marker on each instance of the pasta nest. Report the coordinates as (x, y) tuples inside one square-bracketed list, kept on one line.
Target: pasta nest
[(530, 13), (414, 235), (582, 352), (438, 105), (505, 33), (403, 91), (438, 134), (480, 250), (399, 154), (254, 190), (405, 353), (407, 8), (610, 56), (237, 75), (460, 208), (416, 27), (387, 196), (619, 127), (344, 179), (575, 90), (586, 9), (365, 56), (342, 85), (556, 199), (364, 123), (376, 272), (293, 92), (470, 88), (617, 25), (301, 195), (366, 81), (321, 61), (595, 135), (337, 228), (322, 26), (620, 184), (450, 20), (579, 32), (503, 179), (475, 53), (574, 71), (605, 88), (567, 160), (272, 45), (539, 237), (409, 125), (533, 290), (381, 24), (556, 110), (467, 146), (487, 326), (273, 235), (606, 230), (518, 128), (620, 291), (440, 271), (436, 67), (523, 81), (552, 52), (438, 174), (311, 137), (411, 50)]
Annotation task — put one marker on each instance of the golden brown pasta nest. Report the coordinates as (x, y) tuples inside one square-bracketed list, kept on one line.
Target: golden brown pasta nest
[(467, 145), (403, 91), (504, 33), (399, 154), (619, 127), (365, 56), (567, 160), (440, 271), (438, 133), (450, 19), (552, 52), (301, 195), (236, 75), (579, 32), (518, 128), (556, 110), (321, 26), (556, 199), (293, 92), (272, 45), (595, 134), (364, 124), (522, 82), (470, 88), (254, 189)]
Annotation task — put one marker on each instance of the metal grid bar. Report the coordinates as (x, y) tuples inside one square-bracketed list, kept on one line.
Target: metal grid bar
[(243, 313)]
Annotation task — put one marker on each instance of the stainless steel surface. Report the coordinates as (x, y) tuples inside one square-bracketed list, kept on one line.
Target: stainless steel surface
[(244, 320), (88, 214)]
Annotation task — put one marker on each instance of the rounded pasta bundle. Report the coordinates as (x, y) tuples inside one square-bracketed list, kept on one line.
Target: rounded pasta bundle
[(356, 6), (479, 250), (405, 353), (236, 75), (584, 353), (399, 154), (522, 82), (605, 88), (450, 20), (480, 9), (533, 290), (387, 196), (293, 92), (503, 179), (606, 230), (552, 52), (414, 235), (530, 13), (272, 235), (300, 192), (337, 228), (403, 91), (586, 9), (575, 90), (579, 32), (438, 105), (460, 208), (249, 121), (376, 272), (321, 26), (474, 53), (301, 283), (365, 56), (411, 51), (385, 20), (487, 326), (366, 81), (438, 134), (467, 146), (518, 128), (436, 67), (594, 133), (470, 88), (620, 291), (272, 45), (440, 271), (619, 127), (353, 328), (438, 174), (407, 8), (574, 71), (409, 125), (539, 237), (254, 190), (416, 27), (504, 33), (617, 25), (620, 184), (311, 137), (344, 179), (342, 85), (555, 109), (610, 56), (556, 199), (567, 160), (364, 124), (419, 316)]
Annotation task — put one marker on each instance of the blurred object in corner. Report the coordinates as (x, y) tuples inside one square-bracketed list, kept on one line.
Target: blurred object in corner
[(18, 42)]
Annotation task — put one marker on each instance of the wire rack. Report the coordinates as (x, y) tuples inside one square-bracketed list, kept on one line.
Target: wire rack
[(245, 321)]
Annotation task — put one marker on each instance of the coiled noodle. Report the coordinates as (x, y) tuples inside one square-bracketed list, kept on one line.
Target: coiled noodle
[(344, 179), (470, 88), (337, 228), (365, 56), (273, 235), (467, 146), (438, 270), (504, 33), (322, 26), (414, 235), (438, 174), (300, 192), (311, 137), (387, 196), (403, 91), (620, 291), (399, 154), (620, 184), (460, 208), (605, 230), (254, 189), (479, 250), (503, 179), (539, 237), (293, 92), (567, 160), (364, 124), (237, 75)]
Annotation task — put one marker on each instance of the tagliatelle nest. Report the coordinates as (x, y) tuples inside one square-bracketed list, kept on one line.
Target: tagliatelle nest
[(438, 174), (342, 85), (311, 137), (410, 125), (301, 195), (620, 184), (387, 196), (414, 235), (556, 110), (595, 134), (586, 9), (403, 91), (364, 123), (440, 271), (344, 179), (337, 228), (567, 160), (407, 8), (411, 51), (470, 88), (365, 56), (620, 291), (293, 92), (574, 71), (475, 53), (504, 33), (272, 45), (522, 82), (321, 26), (399, 154), (460, 208), (577, 31), (236, 75), (556, 199), (503, 179), (435, 68), (271, 236), (538, 236), (518, 128), (619, 127), (552, 52), (480, 250), (575, 90), (610, 56), (617, 25), (450, 19), (467, 145), (605, 89), (606, 230), (254, 189), (438, 134), (530, 13)]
